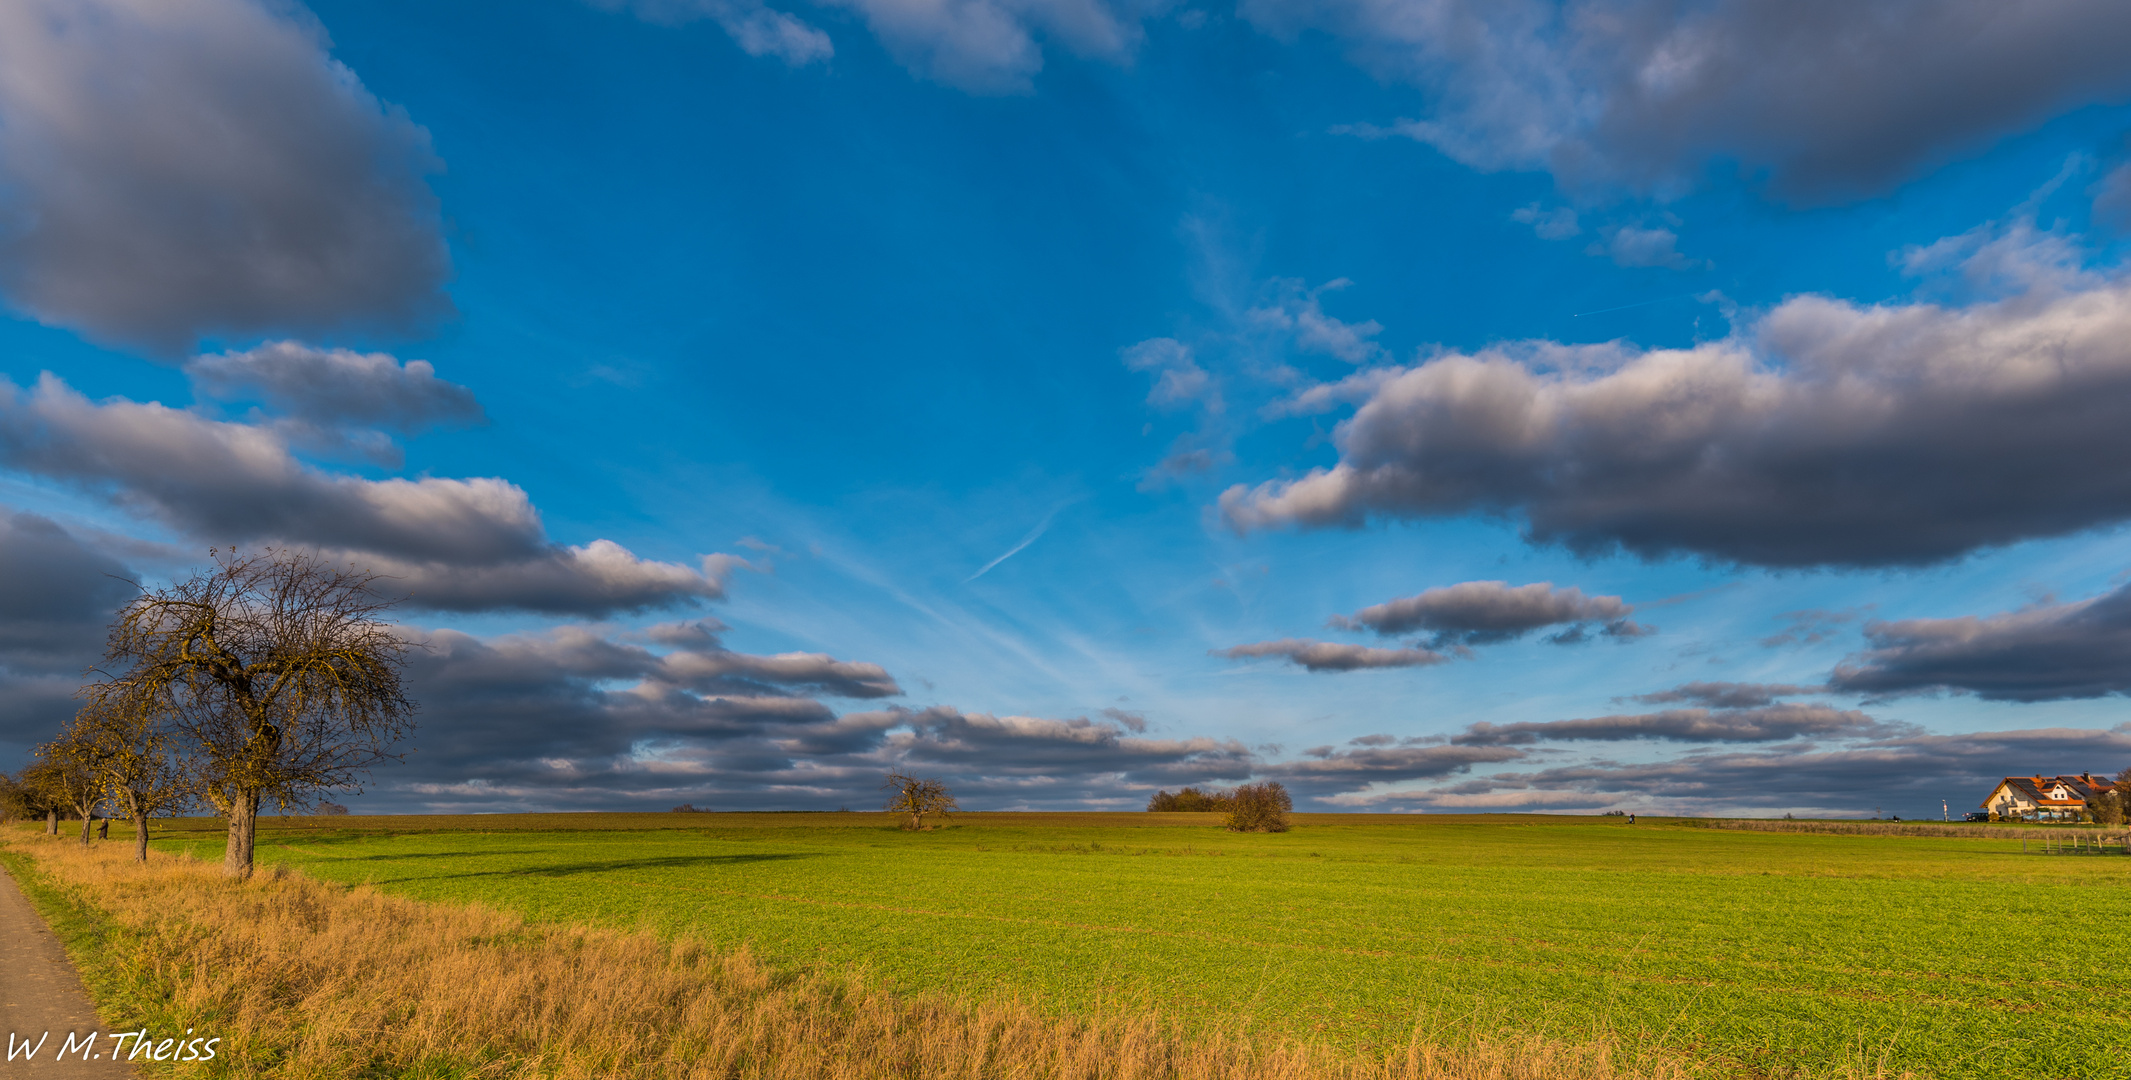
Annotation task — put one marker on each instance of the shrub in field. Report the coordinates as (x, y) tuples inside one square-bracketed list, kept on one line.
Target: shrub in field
[(1191, 801), (2106, 808), (1260, 808)]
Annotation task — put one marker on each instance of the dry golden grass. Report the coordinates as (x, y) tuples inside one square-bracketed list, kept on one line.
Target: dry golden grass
[(305, 979)]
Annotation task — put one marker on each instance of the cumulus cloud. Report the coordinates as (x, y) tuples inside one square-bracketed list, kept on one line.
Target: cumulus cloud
[(1768, 723), (1333, 655), (2049, 652), (758, 29), (1829, 99), (1487, 612), (1823, 433), (336, 387), (177, 168), (454, 544)]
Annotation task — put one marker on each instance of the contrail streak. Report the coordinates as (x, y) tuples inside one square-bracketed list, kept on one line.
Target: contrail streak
[(1016, 549)]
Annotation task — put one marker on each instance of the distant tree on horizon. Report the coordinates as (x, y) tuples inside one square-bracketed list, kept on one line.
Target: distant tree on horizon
[(1191, 800), (917, 797)]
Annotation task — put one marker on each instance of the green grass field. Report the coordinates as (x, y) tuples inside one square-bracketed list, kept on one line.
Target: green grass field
[(1780, 953)]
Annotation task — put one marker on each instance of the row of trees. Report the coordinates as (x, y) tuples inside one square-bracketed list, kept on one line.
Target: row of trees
[(1249, 808), (269, 678)]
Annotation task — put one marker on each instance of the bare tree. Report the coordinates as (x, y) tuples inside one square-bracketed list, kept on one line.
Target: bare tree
[(276, 670), (136, 757), (915, 797)]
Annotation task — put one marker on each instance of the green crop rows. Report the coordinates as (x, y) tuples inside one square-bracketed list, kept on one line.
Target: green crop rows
[(1776, 952)]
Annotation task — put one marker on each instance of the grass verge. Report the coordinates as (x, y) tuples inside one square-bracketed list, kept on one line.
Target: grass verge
[(302, 978)]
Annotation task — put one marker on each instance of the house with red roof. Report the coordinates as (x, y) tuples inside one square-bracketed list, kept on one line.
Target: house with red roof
[(2044, 798)]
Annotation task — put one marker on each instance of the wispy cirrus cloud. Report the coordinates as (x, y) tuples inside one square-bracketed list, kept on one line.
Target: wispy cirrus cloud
[(1829, 101)]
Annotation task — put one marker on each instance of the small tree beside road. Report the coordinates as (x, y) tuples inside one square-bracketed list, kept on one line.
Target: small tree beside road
[(135, 757), (276, 672), (66, 770), (917, 798)]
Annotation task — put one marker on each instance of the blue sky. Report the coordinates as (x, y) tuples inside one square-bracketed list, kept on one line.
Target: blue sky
[(1073, 398)]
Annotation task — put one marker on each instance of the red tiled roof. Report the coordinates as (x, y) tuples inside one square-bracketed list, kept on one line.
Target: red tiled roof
[(2036, 789)]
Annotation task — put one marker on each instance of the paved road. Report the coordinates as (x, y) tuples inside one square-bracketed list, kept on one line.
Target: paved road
[(40, 993)]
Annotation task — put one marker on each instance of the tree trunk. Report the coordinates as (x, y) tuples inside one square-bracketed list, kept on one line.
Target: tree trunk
[(243, 827), (140, 837), (87, 820), (51, 823)]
